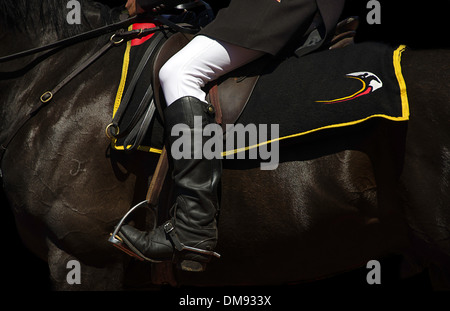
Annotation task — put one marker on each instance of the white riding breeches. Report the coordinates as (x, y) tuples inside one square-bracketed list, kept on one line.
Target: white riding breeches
[(202, 60)]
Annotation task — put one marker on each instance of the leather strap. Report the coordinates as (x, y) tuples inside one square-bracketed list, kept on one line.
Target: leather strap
[(47, 96), (158, 178), (72, 40)]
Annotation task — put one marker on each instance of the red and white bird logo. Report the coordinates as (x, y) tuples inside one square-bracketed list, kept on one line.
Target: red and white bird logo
[(370, 83)]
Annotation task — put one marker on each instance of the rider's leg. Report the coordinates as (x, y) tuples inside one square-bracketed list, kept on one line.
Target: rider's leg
[(201, 61), (194, 213)]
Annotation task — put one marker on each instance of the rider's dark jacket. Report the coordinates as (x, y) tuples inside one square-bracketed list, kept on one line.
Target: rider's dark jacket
[(269, 25)]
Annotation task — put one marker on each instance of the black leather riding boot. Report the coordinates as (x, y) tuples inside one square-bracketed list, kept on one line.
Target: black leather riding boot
[(192, 231)]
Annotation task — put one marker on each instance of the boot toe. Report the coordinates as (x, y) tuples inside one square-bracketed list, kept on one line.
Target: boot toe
[(153, 245), (131, 233)]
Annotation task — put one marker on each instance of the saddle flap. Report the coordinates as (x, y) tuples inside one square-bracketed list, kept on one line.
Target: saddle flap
[(230, 97)]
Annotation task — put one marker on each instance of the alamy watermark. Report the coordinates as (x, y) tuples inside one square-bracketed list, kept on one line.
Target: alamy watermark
[(74, 274), (238, 142), (374, 15), (374, 275), (74, 14), (73, 277)]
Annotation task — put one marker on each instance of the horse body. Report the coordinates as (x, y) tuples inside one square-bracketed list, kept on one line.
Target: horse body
[(425, 176), (332, 205), (49, 217)]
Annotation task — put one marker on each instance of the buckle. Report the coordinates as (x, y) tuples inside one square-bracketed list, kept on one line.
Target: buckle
[(46, 97), (168, 227), (169, 230)]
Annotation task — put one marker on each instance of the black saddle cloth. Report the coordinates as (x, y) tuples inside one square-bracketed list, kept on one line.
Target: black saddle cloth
[(329, 89), (326, 89)]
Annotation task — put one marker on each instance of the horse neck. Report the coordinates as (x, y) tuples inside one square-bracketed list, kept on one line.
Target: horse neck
[(23, 80), (45, 21), (28, 24)]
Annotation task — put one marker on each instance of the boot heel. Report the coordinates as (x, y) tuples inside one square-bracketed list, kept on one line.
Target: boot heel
[(192, 266)]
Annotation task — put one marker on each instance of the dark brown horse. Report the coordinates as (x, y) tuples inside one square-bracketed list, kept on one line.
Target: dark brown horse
[(334, 203)]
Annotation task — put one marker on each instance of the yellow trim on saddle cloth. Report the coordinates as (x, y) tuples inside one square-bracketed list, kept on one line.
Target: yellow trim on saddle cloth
[(397, 55), (140, 148), (398, 73), (120, 90), (401, 81), (123, 78)]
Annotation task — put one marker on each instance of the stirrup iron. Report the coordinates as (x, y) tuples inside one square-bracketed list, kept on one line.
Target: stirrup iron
[(117, 240)]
